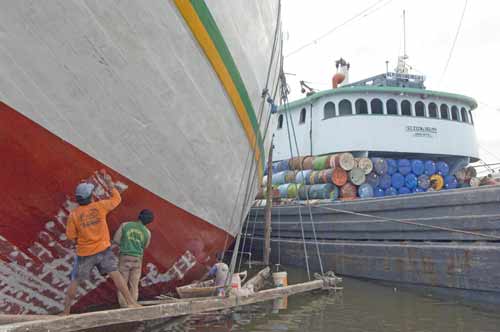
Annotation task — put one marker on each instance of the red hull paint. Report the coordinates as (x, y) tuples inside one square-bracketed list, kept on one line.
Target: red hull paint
[(38, 175)]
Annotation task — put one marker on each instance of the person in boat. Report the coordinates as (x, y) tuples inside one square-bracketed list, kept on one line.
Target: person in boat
[(133, 237), (87, 226), (219, 270)]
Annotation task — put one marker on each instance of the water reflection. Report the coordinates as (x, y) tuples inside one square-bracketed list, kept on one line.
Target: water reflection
[(362, 306)]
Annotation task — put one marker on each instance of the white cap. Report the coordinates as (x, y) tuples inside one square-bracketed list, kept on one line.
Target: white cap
[(84, 190)]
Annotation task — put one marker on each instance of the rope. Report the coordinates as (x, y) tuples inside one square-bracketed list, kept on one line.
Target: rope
[(284, 93), (454, 42), (318, 253), (253, 170), (409, 222)]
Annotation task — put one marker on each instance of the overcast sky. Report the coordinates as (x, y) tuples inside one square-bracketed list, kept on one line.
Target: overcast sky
[(371, 39)]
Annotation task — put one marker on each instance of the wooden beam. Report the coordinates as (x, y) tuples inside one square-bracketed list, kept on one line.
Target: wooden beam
[(9, 319), (160, 311), (269, 206)]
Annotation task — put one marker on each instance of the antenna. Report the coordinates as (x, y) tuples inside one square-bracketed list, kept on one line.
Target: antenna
[(402, 68), (404, 35)]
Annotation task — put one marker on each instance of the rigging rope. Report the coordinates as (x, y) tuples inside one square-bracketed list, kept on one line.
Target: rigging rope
[(454, 42), (365, 12), (253, 173)]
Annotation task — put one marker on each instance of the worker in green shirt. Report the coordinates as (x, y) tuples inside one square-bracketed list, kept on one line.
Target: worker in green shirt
[(133, 237)]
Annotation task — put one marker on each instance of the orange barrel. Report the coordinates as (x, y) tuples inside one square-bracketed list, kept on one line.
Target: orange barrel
[(460, 175), (308, 163), (327, 175), (474, 182), (357, 176), (437, 182), (348, 191), (290, 176), (339, 176), (343, 160), (319, 163), (296, 162), (365, 164)]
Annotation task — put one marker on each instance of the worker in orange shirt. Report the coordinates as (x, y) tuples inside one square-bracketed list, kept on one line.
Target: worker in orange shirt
[(87, 226)]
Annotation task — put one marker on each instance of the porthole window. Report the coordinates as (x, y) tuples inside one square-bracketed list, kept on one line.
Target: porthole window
[(361, 106), (444, 111), (377, 106), (280, 121), (419, 109), (433, 110), (471, 118), (454, 113), (392, 107), (406, 108), (464, 115), (302, 118), (329, 110), (345, 107)]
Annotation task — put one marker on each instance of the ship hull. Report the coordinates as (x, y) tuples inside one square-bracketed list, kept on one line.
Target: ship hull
[(165, 97), (461, 263)]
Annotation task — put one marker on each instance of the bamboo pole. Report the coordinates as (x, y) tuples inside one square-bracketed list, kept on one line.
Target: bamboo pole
[(269, 206)]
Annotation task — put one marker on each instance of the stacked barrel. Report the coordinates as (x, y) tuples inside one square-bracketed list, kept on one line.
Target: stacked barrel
[(342, 176)]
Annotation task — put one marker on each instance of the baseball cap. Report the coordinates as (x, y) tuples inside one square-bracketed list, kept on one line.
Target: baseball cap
[(84, 190)]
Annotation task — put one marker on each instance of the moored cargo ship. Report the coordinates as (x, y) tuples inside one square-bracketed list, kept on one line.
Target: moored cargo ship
[(161, 94), (442, 233)]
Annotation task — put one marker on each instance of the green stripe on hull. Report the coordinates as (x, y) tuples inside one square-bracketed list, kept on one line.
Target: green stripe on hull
[(216, 36)]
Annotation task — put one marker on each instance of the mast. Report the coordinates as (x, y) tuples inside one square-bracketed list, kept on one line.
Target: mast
[(269, 206)]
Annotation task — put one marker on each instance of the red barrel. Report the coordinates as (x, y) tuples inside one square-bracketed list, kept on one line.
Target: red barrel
[(296, 163), (339, 177), (348, 191)]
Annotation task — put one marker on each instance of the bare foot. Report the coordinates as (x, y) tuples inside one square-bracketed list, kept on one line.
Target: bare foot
[(64, 313), (134, 305)]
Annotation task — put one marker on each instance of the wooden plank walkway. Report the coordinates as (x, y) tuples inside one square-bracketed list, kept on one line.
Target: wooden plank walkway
[(158, 311)]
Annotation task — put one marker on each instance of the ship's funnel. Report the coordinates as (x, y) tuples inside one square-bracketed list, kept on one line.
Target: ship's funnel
[(342, 75), (337, 79)]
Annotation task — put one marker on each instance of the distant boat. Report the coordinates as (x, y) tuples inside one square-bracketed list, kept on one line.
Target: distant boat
[(164, 95), (447, 240)]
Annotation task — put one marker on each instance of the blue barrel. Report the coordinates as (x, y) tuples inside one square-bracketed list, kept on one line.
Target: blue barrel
[(334, 195), (379, 192), (392, 166), (397, 180), (385, 181), (302, 177), (303, 191), (275, 167), (404, 191), (380, 166), (417, 167), (279, 178), (423, 182), (411, 181), (320, 191), (283, 190), (450, 182), (429, 167), (283, 165), (442, 168), (404, 166), (419, 190), (391, 191), (365, 190), (373, 179)]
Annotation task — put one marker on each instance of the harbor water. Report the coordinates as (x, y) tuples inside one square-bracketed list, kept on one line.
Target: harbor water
[(361, 306)]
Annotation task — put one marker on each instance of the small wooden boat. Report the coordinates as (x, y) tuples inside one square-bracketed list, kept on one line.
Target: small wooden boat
[(199, 289)]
